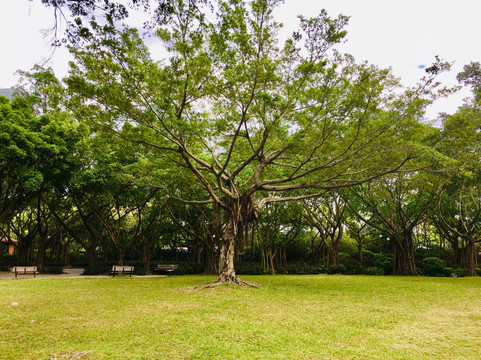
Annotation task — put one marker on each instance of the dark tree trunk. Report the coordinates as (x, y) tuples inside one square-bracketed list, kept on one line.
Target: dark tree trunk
[(404, 255), (239, 244), (270, 258), (471, 257), (146, 255), (209, 261), (227, 252), (92, 255), (359, 251), (40, 258), (333, 253), (25, 249), (456, 252)]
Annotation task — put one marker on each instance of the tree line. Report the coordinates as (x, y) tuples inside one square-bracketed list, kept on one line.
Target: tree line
[(237, 145)]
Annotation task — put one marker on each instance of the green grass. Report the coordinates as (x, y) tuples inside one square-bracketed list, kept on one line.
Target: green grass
[(290, 317)]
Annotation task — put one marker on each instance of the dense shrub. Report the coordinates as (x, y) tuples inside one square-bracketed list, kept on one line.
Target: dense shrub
[(300, 269), (433, 251), (98, 270), (248, 268), (368, 258), (343, 257), (433, 266), (337, 269), (7, 261), (79, 259), (385, 263), (353, 266), (53, 269), (373, 271), (297, 250), (251, 256), (173, 254), (348, 246), (457, 272), (188, 268)]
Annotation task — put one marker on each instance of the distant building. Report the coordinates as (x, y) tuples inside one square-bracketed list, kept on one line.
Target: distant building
[(10, 243), (8, 93)]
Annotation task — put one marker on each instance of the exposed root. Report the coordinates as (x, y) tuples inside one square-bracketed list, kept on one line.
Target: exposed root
[(223, 280)]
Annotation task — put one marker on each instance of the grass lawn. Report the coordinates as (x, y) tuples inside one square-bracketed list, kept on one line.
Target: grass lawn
[(290, 317)]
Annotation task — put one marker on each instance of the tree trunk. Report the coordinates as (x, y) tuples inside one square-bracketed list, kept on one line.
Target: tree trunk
[(471, 257), (146, 255), (227, 252), (359, 251), (197, 252), (237, 214), (239, 245), (270, 258), (404, 255), (209, 260), (92, 255), (25, 249), (121, 255), (456, 252)]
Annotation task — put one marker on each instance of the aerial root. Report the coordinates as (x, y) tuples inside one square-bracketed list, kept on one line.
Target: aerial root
[(224, 280)]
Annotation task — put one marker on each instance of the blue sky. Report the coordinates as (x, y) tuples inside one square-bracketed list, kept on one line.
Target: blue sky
[(404, 35)]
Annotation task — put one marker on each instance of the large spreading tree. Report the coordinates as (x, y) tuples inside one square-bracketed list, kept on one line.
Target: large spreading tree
[(253, 119)]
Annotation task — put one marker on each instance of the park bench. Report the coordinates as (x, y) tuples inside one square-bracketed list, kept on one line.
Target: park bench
[(122, 270), (25, 270), (165, 268)]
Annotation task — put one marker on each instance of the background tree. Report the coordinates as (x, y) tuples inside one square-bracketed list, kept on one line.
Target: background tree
[(396, 205), (471, 76), (326, 214), (277, 227), (459, 210)]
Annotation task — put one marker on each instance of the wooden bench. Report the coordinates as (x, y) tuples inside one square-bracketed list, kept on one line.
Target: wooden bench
[(122, 270), (165, 268), (25, 270)]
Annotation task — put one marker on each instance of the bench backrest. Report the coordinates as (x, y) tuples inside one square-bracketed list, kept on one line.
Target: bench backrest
[(167, 267), (20, 269), (120, 268)]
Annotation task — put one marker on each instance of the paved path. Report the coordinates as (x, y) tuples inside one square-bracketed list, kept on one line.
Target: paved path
[(67, 273)]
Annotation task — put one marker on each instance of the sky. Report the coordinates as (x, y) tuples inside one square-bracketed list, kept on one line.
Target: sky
[(403, 35)]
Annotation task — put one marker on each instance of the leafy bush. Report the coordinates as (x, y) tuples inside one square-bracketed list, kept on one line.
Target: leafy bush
[(368, 258), (433, 251), (433, 266), (98, 270), (373, 271), (336, 269), (188, 268), (53, 269), (79, 259), (348, 245), (385, 263), (249, 268), (344, 257), (300, 269), (457, 272), (478, 271), (353, 266), (7, 261)]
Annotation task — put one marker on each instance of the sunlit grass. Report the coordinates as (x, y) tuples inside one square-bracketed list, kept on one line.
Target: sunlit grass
[(290, 317)]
